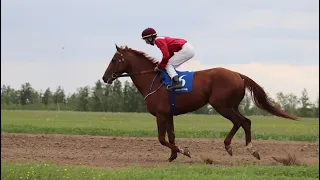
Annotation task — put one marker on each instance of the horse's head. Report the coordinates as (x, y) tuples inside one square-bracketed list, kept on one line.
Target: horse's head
[(129, 61), (118, 65)]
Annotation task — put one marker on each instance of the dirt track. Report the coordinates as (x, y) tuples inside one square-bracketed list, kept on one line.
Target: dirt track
[(120, 152)]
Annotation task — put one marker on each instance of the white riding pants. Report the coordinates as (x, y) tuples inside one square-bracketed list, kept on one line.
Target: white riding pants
[(186, 53)]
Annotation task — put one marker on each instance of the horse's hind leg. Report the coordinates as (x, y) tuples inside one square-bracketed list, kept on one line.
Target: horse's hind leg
[(238, 120), (230, 114), (247, 130)]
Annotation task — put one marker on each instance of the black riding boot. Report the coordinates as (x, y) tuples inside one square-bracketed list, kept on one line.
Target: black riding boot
[(176, 84)]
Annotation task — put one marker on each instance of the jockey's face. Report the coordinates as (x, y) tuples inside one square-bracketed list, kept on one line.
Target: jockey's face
[(149, 40)]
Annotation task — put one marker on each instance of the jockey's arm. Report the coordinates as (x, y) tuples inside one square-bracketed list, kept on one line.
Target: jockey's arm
[(165, 54)]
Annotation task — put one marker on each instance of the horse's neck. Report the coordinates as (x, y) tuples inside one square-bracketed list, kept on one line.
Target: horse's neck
[(142, 81)]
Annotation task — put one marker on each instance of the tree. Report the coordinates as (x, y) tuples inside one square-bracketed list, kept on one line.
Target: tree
[(116, 97), (38, 96), (97, 98), (27, 94), (5, 94), (83, 98), (317, 108), (107, 100), (288, 102), (137, 103), (245, 105), (305, 110), (72, 102), (126, 97), (47, 97), (59, 97)]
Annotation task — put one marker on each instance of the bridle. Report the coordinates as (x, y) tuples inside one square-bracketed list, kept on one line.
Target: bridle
[(115, 73)]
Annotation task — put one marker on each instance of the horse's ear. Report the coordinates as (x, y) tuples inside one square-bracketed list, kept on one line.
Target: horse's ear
[(118, 49)]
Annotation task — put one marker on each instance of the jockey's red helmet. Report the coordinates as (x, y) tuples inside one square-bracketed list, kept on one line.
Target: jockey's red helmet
[(148, 32)]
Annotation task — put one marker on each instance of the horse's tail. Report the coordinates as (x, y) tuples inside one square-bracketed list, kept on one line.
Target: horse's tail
[(261, 99)]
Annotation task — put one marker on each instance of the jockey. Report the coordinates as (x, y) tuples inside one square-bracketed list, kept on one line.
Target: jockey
[(175, 52)]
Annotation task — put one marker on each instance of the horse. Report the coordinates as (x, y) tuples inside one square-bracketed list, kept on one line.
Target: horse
[(223, 89)]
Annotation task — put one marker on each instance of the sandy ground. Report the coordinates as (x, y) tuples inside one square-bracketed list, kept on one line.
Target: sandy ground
[(122, 152)]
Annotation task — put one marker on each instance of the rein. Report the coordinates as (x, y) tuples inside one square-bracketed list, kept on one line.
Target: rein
[(142, 72), (114, 75)]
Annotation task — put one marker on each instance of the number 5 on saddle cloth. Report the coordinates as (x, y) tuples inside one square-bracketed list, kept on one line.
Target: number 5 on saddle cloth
[(185, 77)]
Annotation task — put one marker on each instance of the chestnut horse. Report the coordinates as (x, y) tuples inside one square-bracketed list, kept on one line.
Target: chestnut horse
[(223, 89)]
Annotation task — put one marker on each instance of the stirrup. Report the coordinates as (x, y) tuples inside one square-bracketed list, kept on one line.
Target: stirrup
[(172, 87)]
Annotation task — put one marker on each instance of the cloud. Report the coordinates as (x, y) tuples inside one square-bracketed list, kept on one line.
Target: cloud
[(247, 50), (275, 19)]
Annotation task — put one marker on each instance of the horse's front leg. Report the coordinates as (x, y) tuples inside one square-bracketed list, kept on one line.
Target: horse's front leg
[(162, 122), (171, 137)]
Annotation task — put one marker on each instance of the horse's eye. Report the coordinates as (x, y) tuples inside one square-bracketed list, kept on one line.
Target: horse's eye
[(113, 60)]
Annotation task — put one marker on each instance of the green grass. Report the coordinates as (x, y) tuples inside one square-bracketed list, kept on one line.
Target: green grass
[(53, 172), (140, 124)]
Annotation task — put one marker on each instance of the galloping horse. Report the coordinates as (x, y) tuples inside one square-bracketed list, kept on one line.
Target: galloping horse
[(223, 89)]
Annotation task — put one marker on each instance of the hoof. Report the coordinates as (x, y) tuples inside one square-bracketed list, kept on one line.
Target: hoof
[(185, 152), (173, 157), (256, 154), (229, 150)]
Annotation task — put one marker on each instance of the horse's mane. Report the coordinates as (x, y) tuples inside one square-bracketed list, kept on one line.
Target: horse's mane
[(141, 54)]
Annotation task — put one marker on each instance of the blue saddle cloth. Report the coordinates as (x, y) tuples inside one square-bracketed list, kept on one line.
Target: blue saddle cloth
[(186, 78)]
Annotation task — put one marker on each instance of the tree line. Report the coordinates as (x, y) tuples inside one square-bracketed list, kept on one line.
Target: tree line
[(119, 97)]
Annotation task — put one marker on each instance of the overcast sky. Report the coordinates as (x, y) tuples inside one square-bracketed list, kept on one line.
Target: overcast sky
[(274, 42)]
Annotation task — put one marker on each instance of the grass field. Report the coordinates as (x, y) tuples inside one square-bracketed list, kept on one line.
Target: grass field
[(53, 172), (136, 124)]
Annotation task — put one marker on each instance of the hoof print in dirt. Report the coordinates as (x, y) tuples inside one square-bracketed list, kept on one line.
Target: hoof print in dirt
[(290, 160), (208, 161)]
